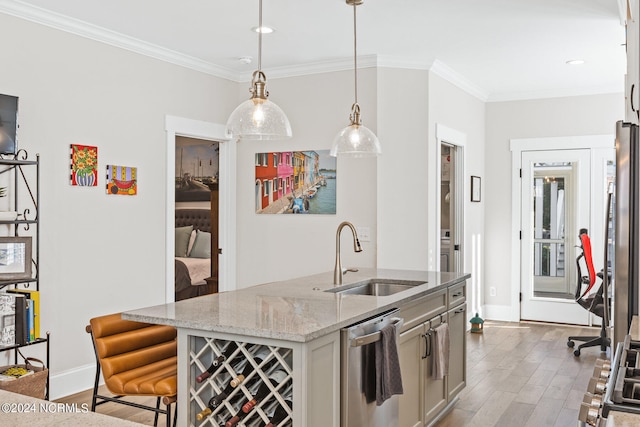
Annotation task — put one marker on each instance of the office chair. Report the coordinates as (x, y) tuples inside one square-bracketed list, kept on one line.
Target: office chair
[(592, 302)]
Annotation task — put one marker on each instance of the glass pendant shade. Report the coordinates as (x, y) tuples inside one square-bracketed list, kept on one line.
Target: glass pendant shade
[(258, 119), (355, 140)]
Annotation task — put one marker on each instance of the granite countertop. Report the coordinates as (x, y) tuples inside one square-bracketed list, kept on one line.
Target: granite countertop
[(622, 419), (293, 310), (19, 410)]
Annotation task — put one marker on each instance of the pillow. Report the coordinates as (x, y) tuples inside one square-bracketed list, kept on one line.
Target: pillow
[(192, 239), (202, 245), (182, 240)]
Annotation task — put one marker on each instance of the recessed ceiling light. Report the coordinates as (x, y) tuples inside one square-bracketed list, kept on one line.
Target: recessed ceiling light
[(575, 61), (245, 59), (264, 30)]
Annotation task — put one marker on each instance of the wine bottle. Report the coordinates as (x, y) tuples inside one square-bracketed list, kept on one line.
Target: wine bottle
[(239, 415), (231, 347), (258, 357), (235, 419), (216, 400), (276, 377), (280, 412)]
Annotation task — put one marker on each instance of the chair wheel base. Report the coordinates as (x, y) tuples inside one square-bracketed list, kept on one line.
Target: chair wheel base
[(576, 353), (570, 344)]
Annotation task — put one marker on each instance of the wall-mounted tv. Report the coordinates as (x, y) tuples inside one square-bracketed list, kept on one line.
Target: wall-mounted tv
[(8, 124)]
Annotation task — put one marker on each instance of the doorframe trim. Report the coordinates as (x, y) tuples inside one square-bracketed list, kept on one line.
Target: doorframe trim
[(517, 146), (449, 136), (180, 126)]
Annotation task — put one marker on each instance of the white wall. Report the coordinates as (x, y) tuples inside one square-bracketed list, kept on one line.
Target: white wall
[(574, 116), (278, 247), (456, 109), (402, 171), (411, 103), (99, 254)]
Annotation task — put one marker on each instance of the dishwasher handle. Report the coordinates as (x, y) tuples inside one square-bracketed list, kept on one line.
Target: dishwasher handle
[(375, 336)]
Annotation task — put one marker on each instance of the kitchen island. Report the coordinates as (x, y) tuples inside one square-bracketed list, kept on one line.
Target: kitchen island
[(298, 321)]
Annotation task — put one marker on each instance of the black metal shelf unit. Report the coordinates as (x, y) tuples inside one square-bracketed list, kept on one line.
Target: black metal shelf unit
[(23, 176)]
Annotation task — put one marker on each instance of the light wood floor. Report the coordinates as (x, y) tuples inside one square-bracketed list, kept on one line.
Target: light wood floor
[(121, 411), (524, 375), (518, 374)]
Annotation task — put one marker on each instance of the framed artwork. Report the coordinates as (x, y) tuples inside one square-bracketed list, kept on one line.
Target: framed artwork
[(15, 258), (122, 180), (295, 182), (196, 169), (83, 165), (8, 124), (475, 188)]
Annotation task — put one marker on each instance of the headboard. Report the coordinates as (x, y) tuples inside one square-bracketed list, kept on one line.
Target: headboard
[(199, 218)]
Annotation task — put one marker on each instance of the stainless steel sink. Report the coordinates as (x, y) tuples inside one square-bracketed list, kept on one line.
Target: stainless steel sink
[(376, 287)]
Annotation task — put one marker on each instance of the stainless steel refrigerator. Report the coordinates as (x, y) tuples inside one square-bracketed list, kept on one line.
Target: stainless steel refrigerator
[(626, 226)]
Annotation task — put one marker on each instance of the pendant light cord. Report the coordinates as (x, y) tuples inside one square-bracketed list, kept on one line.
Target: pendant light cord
[(355, 52), (260, 38)]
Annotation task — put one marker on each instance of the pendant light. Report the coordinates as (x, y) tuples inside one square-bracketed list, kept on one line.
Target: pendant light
[(355, 140), (258, 118)]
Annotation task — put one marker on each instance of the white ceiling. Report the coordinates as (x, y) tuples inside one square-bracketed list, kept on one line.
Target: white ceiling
[(496, 49)]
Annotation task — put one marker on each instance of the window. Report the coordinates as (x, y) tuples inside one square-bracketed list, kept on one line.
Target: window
[(267, 187), (275, 160)]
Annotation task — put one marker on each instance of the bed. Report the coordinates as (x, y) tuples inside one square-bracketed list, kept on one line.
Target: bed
[(193, 262)]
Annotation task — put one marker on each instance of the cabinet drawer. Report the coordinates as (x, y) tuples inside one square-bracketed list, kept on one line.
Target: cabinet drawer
[(457, 294), (423, 309)]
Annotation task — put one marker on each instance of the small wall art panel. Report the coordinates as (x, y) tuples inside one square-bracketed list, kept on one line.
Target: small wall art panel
[(84, 165), (295, 182), (122, 180), (8, 124)]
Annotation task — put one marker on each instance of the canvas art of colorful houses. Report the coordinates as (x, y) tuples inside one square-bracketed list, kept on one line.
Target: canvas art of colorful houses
[(295, 182)]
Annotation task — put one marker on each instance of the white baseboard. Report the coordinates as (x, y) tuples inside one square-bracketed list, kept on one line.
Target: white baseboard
[(503, 313), (72, 381)]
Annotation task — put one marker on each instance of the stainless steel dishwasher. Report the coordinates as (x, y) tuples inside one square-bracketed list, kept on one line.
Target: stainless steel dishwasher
[(354, 409)]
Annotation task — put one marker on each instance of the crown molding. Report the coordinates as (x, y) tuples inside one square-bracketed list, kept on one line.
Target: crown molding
[(556, 93), (83, 29), (75, 26), (442, 70)]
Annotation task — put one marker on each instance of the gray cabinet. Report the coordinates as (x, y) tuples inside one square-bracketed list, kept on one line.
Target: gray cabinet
[(456, 380), (425, 398)]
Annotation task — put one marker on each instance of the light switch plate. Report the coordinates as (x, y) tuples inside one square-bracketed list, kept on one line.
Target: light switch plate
[(364, 234)]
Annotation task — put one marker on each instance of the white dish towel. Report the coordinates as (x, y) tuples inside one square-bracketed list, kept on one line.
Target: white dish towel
[(440, 353)]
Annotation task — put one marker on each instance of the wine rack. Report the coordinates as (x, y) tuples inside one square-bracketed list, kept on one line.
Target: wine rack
[(204, 350)]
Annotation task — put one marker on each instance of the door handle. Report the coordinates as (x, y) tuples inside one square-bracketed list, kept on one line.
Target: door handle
[(375, 336)]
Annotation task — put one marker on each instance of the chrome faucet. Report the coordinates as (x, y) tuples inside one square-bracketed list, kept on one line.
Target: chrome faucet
[(337, 271)]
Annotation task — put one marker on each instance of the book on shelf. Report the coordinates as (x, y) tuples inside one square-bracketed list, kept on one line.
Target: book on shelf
[(13, 316), (35, 296)]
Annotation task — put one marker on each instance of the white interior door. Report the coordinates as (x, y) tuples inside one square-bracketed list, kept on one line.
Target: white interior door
[(556, 202)]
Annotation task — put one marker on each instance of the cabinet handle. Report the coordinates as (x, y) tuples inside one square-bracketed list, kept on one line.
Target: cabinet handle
[(459, 310), (457, 294), (427, 344)]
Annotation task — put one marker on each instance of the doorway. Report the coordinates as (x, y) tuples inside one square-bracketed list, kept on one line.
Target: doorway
[(556, 203), (453, 142), (176, 127), (555, 192), (449, 218)]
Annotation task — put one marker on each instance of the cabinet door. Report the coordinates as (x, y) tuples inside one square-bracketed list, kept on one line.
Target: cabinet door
[(410, 345), (435, 391), (632, 89), (457, 363)]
